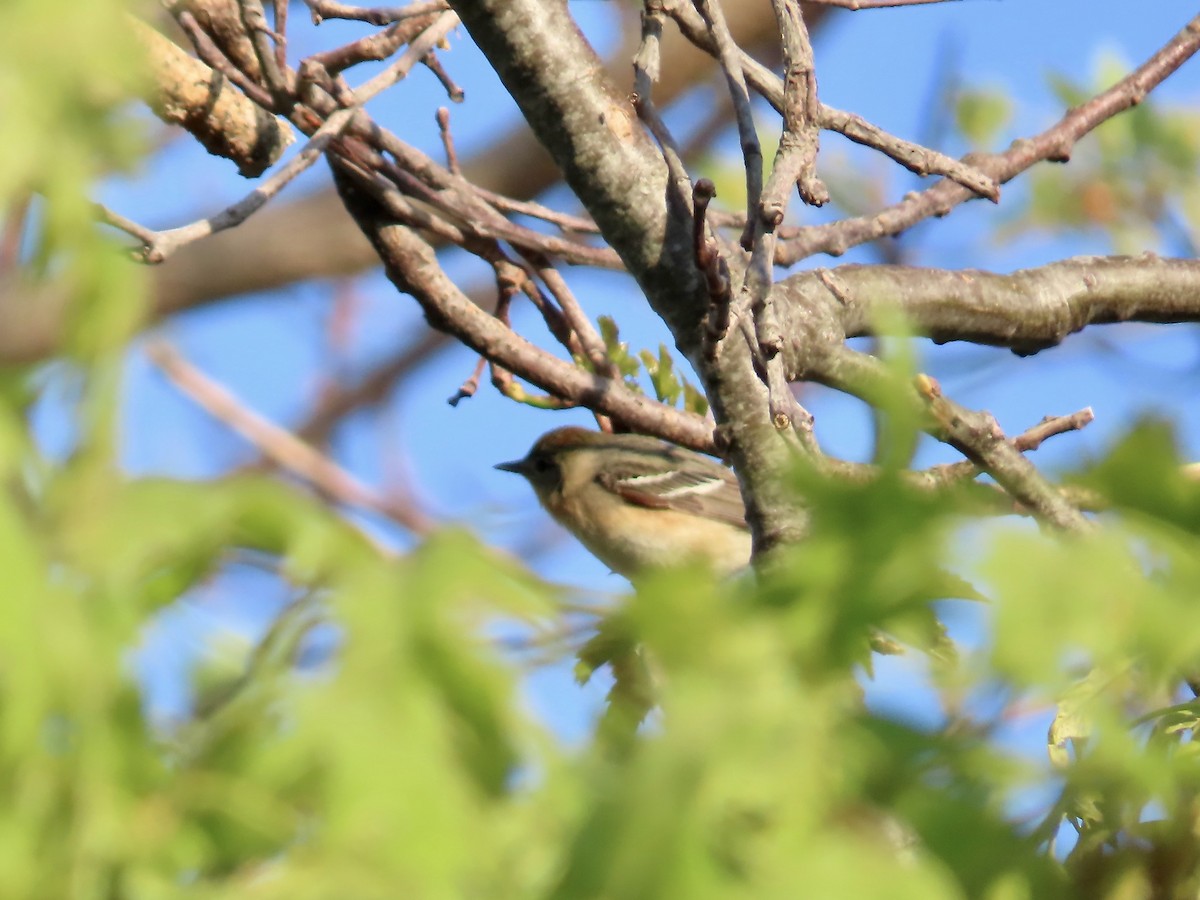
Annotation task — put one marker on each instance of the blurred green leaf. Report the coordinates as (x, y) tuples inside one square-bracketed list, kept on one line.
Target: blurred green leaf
[(981, 114), (1145, 473), (1133, 180)]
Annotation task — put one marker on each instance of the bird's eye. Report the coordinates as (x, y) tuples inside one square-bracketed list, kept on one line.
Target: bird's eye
[(541, 464)]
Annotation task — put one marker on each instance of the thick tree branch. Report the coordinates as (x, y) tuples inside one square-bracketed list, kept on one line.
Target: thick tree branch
[(1027, 311), (187, 93)]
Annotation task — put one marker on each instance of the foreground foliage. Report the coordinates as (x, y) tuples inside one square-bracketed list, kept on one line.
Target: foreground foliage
[(406, 762)]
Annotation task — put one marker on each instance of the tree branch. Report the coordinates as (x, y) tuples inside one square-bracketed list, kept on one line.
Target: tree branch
[(978, 437), (412, 266), (1055, 144), (1027, 311), (281, 446), (187, 93)]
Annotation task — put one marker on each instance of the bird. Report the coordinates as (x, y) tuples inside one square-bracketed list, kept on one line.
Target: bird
[(638, 503)]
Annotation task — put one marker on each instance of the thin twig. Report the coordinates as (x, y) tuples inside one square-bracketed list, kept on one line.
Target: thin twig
[(856, 5), (589, 339), (443, 121), (796, 158), (418, 48), (565, 221), (728, 54), (157, 246), (281, 12), (453, 91), (977, 436), (914, 157), (502, 378), (468, 388), (646, 65), (370, 48), (280, 80), (1028, 440), (918, 159), (281, 446), (208, 51), (379, 15), (1053, 144)]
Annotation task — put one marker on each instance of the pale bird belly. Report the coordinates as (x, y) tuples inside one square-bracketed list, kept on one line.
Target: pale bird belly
[(667, 537)]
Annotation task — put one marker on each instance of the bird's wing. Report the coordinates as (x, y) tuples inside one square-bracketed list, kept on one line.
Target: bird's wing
[(711, 492)]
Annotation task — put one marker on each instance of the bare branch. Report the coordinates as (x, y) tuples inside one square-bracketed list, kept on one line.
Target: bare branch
[(876, 4), (591, 130), (373, 47), (1027, 311), (589, 339), (979, 438), (279, 445), (729, 56), (279, 80), (796, 158), (646, 68), (188, 93), (1026, 441), (379, 15), (214, 54), (157, 246), (468, 388), (1055, 144), (443, 121), (917, 159)]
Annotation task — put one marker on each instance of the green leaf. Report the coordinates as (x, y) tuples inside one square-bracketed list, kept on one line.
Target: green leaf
[(1145, 473), (981, 114), (618, 351), (694, 400), (667, 385)]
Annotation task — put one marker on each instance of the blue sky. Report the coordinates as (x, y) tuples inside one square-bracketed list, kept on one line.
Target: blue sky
[(272, 349)]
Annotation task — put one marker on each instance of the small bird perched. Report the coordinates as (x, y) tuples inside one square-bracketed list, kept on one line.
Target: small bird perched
[(637, 502)]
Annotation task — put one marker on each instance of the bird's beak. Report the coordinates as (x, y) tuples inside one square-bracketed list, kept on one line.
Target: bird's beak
[(519, 466)]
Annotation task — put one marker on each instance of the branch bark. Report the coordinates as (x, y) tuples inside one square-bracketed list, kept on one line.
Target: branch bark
[(1026, 311)]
